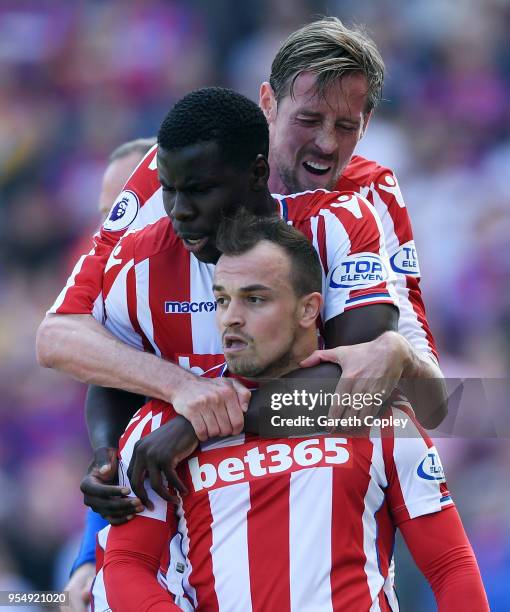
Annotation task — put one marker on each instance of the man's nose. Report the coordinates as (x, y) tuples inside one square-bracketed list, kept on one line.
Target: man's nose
[(233, 315), (183, 209), (326, 140)]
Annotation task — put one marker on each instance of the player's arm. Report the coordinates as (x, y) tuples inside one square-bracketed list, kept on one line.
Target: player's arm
[(387, 198), (132, 558), (361, 318), (82, 346), (441, 550), (422, 508), (108, 411)]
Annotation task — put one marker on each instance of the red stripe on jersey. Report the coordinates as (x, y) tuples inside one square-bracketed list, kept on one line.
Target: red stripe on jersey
[(169, 279), (321, 241), (144, 180), (394, 493), (349, 589), (99, 556), (267, 540), (132, 309), (199, 528)]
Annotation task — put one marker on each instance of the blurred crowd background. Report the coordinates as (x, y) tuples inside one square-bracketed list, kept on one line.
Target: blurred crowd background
[(79, 78)]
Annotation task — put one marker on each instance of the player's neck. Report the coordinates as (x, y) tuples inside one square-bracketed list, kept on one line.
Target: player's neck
[(263, 205), (303, 348)]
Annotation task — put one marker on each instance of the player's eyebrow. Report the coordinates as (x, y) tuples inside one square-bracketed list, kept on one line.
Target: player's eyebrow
[(247, 289)]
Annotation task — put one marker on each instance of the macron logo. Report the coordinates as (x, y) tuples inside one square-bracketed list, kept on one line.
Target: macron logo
[(179, 307)]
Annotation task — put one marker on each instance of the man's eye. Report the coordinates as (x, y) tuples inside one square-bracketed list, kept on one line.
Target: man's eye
[(255, 299), (221, 301), (307, 122)]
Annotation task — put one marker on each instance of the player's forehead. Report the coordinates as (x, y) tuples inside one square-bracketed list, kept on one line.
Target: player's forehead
[(345, 96), (266, 264), (196, 162)]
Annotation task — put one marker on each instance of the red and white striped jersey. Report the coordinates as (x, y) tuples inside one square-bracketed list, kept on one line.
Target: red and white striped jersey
[(293, 524), (141, 204), (158, 297)]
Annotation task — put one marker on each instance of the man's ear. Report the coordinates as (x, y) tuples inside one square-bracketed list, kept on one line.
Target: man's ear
[(260, 173), (267, 102), (311, 305)]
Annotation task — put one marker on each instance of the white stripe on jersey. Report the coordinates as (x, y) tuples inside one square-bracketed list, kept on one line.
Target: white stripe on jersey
[(311, 495), (374, 499), (231, 571), (160, 505), (205, 340), (182, 527), (173, 579), (152, 211), (334, 301), (314, 226), (70, 282), (116, 305), (143, 311), (408, 325), (421, 496), (98, 589)]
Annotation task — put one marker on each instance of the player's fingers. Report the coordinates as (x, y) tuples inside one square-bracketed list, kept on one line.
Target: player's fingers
[(199, 426), (94, 488), (236, 419), (319, 356), (117, 510), (211, 424), (136, 473), (119, 521), (105, 459), (175, 482), (157, 484), (222, 413), (243, 394)]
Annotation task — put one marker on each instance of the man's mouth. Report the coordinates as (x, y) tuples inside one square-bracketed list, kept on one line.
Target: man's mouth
[(233, 344), (194, 244), (316, 168)]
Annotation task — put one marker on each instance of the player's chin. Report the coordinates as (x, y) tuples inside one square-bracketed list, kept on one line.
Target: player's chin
[(240, 364), (310, 182)]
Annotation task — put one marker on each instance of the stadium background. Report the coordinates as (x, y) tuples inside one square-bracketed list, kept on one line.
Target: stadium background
[(78, 78)]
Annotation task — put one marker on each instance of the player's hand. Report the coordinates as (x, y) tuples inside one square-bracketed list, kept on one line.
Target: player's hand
[(101, 491), (214, 406), (79, 588), (372, 368), (157, 455)]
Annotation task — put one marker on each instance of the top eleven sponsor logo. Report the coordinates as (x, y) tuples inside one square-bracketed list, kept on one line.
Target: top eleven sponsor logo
[(430, 467), (405, 260), (186, 307), (359, 271)]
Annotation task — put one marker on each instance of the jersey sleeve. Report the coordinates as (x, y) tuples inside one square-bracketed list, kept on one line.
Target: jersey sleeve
[(357, 272), (120, 295), (384, 193), (138, 204), (415, 475)]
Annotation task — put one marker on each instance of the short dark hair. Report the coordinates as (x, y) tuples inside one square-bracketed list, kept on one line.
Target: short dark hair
[(241, 233), (140, 145), (330, 50), (216, 114)]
